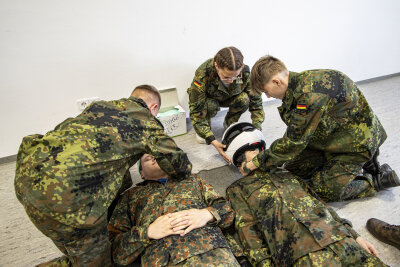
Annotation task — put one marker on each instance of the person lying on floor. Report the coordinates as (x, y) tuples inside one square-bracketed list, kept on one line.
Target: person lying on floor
[(280, 221), (169, 222)]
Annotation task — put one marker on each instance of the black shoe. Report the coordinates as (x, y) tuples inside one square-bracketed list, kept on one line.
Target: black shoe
[(390, 234), (372, 166), (386, 178)]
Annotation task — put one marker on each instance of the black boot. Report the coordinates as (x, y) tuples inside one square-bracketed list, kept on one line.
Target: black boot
[(385, 232), (386, 178)]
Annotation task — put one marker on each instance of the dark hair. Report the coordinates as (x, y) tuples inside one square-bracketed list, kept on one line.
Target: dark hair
[(147, 92), (230, 58)]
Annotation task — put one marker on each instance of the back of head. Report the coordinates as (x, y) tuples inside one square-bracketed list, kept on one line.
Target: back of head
[(263, 70), (241, 137), (230, 58), (148, 93)]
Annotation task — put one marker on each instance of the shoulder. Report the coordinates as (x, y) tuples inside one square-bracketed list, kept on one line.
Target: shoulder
[(205, 66)]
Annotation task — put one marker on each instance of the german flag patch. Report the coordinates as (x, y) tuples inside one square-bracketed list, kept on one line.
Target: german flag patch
[(299, 106), (197, 83)]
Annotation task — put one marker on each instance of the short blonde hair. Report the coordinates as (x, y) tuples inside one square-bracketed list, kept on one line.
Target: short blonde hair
[(148, 93), (263, 70)]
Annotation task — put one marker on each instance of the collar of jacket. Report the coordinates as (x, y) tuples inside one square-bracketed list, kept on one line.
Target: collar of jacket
[(139, 100), (287, 100)]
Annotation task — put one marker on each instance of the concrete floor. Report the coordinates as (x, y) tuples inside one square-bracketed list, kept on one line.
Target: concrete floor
[(21, 244)]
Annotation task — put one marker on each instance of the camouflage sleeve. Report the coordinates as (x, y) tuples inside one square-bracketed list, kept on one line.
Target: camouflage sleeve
[(255, 106), (217, 205), (169, 156), (336, 217), (127, 240), (254, 246), (304, 120), (345, 222), (197, 106)]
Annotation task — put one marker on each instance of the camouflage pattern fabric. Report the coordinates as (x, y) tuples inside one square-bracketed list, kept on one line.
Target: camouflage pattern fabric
[(207, 94), (339, 178), (218, 257), (72, 174), (325, 111), (346, 252), (279, 219), (143, 204)]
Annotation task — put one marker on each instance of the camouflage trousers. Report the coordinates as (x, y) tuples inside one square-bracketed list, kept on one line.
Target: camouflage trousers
[(237, 106), (334, 177), (346, 252), (81, 247), (222, 257)]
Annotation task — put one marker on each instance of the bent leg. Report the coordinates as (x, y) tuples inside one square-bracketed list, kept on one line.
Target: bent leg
[(342, 178), (81, 247)]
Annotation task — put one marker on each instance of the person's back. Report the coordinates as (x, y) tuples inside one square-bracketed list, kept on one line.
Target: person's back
[(346, 122), (68, 178)]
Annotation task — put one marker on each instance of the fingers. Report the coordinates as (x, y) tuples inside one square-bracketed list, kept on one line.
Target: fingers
[(190, 228), (366, 248), (372, 249), (224, 156)]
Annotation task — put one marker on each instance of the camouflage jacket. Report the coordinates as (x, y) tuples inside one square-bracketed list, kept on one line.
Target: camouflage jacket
[(206, 84), (279, 219), (74, 172), (323, 110), (143, 204)]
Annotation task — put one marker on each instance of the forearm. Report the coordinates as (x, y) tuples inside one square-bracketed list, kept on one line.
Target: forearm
[(280, 151), (168, 155), (345, 222), (216, 204), (256, 111), (202, 127)]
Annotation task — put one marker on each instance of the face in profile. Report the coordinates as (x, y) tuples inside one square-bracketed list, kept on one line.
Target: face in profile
[(150, 170)]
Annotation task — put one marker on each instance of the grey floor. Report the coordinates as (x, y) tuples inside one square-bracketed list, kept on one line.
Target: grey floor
[(21, 244)]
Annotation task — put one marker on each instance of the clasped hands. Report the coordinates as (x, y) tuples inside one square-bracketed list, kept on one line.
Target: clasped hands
[(178, 223)]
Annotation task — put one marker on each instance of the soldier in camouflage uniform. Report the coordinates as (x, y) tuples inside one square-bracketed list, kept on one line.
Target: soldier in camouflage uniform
[(68, 178), (331, 132), (169, 222), (222, 81), (281, 222)]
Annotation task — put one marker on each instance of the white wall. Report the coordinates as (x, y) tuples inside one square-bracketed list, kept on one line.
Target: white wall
[(54, 52)]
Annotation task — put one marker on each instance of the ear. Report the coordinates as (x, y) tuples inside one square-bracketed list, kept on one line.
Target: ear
[(276, 81), (154, 109), (215, 65)]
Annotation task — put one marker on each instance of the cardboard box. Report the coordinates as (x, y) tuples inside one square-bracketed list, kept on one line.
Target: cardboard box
[(171, 114)]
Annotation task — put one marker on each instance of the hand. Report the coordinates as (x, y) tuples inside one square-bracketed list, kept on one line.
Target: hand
[(220, 148), (195, 218), (246, 167), (162, 227), (367, 246)]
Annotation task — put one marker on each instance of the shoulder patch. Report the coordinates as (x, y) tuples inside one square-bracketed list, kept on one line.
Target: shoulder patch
[(197, 83)]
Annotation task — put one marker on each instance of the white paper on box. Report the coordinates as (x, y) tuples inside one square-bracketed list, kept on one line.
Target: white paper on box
[(172, 115)]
